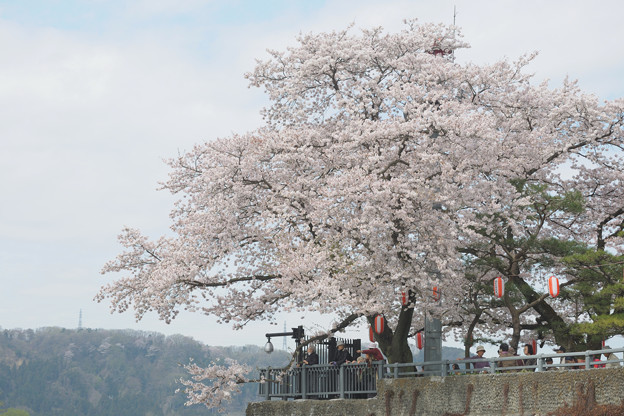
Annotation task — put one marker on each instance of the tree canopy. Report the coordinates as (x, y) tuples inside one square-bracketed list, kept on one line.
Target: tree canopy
[(385, 166)]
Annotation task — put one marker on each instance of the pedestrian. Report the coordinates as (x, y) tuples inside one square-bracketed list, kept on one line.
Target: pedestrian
[(503, 352), (373, 352), (564, 360), (482, 363), (529, 362), (342, 355), (311, 357), (614, 360)]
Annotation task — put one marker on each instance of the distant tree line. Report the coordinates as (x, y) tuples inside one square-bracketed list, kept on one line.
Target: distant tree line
[(60, 372)]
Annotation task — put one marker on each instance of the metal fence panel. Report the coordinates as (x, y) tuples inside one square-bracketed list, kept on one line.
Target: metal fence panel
[(360, 380)]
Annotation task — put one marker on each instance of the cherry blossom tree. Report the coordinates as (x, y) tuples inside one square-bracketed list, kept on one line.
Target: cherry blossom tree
[(225, 381), (384, 166)]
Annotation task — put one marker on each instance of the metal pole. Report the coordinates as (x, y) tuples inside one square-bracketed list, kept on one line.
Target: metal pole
[(304, 382), (341, 383)]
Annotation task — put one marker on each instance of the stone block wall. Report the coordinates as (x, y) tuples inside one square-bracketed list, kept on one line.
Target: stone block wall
[(570, 392)]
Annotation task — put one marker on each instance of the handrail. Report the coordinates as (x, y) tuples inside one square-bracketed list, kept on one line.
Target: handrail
[(321, 381), (360, 380), (444, 367)]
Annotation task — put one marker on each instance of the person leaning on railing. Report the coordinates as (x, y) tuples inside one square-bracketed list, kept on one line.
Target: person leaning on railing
[(311, 357), (342, 355), (611, 357), (564, 360), (373, 352), (481, 364), (504, 352)]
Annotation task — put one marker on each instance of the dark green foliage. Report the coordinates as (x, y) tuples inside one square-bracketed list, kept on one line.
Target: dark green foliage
[(60, 372), (599, 288)]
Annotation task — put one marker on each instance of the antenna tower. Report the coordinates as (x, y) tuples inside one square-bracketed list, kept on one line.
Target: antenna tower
[(80, 320)]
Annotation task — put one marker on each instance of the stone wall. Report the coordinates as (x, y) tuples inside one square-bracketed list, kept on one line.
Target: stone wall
[(561, 392)]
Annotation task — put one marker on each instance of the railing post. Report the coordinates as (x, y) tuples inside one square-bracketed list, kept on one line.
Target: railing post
[(267, 382), (341, 383), (381, 370), (540, 363), (304, 382), (587, 360), (493, 367), (444, 371)]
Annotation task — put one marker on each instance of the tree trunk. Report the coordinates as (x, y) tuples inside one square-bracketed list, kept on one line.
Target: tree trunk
[(394, 343)]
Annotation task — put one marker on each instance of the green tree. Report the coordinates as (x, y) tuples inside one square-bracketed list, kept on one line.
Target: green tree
[(13, 412), (598, 295)]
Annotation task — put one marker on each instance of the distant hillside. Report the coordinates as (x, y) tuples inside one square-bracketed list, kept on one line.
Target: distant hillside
[(448, 353), (62, 372)]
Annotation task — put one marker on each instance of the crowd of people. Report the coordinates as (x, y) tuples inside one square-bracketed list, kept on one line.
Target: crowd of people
[(510, 361), (513, 362), (361, 379), (343, 356)]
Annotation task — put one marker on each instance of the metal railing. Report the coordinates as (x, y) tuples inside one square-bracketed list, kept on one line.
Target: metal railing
[(540, 362), (326, 381), (322, 381)]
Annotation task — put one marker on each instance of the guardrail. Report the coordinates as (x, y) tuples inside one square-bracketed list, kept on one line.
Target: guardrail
[(326, 381), (322, 381)]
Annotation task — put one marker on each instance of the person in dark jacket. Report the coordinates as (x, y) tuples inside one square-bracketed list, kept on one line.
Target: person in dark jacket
[(311, 357), (529, 362), (342, 355)]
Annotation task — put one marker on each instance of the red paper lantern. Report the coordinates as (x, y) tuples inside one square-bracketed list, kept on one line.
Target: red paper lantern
[(553, 286), (534, 344), (403, 298), (371, 336), (499, 287), (419, 340), (379, 324), (436, 293)]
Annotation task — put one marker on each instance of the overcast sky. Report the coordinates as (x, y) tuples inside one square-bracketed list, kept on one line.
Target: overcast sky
[(94, 94)]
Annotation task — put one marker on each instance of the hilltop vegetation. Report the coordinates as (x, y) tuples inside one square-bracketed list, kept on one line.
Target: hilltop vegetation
[(61, 372)]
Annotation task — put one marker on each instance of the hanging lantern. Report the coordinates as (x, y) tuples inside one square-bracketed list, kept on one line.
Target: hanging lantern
[(436, 293), (553, 286), (499, 287), (379, 324), (419, 340), (371, 336), (403, 298), (604, 343), (534, 345)]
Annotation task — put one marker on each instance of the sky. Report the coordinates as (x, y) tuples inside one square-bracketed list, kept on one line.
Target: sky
[(95, 94)]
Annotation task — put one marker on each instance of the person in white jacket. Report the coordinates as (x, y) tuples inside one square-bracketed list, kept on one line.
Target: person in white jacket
[(611, 357)]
